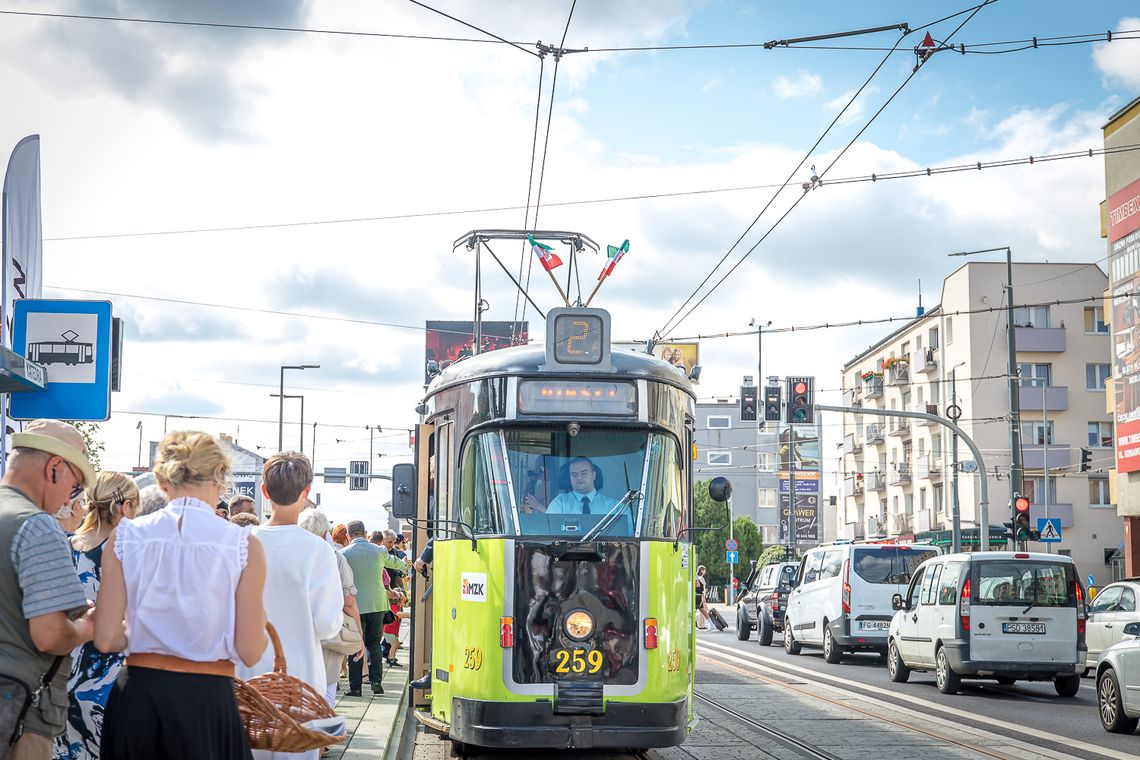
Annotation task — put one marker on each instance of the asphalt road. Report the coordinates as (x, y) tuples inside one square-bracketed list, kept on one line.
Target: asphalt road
[(1050, 719)]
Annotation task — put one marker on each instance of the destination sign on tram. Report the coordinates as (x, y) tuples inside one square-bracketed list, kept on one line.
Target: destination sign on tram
[(577, 397)]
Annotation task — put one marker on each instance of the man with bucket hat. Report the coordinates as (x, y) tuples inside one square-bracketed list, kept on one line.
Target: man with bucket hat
[(44, 614)]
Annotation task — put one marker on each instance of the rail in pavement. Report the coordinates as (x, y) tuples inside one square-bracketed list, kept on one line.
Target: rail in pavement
[(375, 721)]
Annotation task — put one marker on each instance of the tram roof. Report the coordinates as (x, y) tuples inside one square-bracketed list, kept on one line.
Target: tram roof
[(530, 361)]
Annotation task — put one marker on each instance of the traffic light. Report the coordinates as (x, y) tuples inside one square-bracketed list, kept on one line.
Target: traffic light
[(801, 400), (1086, 459), (772, 403), (748, 403), (1021, 530)]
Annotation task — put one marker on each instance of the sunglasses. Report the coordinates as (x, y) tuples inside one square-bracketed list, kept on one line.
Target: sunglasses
[(77, 491)]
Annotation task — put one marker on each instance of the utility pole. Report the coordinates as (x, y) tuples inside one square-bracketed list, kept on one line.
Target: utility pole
[(731, 567), (955, 514), (139, 426), (791, 551), (313, 459), (1045, 451)]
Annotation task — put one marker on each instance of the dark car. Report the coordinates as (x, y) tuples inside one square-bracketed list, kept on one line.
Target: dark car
[(764, 602)]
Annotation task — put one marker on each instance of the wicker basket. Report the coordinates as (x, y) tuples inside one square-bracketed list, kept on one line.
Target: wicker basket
[(274, 705)]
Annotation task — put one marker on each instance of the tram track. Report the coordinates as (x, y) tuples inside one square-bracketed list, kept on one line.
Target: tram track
[(783, 737)]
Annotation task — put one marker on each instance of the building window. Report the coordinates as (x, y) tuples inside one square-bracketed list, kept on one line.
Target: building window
[(1035, 375), (767, 497), (922, 500), (949, 331), (932, 338), (935, 393), (1095, 376), (1094, 320), (1100, 434), (1031, 316), (719, 457), (1098, 493), (936, 493), (1034, 490), (1036, 433), (719, 422)]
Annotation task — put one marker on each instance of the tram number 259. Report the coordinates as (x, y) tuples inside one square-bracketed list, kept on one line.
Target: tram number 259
[(577, 661), (472, 658)]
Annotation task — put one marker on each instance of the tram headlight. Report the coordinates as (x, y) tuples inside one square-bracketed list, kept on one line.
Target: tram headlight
[(579, 624)]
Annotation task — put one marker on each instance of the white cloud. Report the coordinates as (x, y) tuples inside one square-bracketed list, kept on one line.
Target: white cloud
[(856, 108), (804, 83), (1119, 61)]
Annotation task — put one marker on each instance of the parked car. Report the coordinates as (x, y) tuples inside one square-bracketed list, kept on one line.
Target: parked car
[(1113, 608), (1118, 682), (842, 596), (765, 600), (1008, 616)]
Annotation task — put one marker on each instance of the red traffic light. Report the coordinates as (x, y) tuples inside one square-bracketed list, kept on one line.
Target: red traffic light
[(1021, 505), (800, 387)]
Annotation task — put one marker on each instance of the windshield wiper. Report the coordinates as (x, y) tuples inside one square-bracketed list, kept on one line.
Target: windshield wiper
[(610, 518), (1033, 601)]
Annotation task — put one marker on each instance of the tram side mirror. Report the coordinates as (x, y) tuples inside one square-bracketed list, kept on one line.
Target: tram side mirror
[(720, 489), (404, 490), (897, 602), (1132, 629)]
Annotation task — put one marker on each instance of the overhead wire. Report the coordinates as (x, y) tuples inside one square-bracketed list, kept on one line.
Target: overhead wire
[(922, 61), (863, 178), (425, 6), (523, 257)]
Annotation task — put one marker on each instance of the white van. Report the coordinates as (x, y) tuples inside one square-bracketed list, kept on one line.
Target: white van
[(1004, 615), (842, 598)]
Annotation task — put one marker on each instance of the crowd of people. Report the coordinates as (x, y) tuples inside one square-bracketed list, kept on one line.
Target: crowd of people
[(126, 614)]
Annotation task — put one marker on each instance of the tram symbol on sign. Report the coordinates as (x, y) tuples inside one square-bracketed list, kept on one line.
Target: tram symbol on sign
[(731, 545), (66, 351), (731, 557)]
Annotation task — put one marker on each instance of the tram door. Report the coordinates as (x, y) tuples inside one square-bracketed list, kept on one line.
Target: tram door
[(421, 589)]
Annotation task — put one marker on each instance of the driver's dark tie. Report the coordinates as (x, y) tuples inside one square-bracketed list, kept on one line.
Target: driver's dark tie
[(585, 505)]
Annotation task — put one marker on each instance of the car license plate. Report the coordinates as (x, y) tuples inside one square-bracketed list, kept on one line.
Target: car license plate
[(875, 625), (1023, 628)]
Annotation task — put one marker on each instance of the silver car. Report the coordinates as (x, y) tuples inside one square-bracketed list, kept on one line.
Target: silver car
[(1118, 683), (1114, 607)]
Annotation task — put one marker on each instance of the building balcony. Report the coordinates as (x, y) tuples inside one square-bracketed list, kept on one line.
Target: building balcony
[(855, 485), (1049, 340), (921, 521), (873, 434), (872, 388), (1064, 511), (902, 523), (852, 443), (876, 527), (875, 481), (898, 373), (901, 475), (1038, 398), (900, 428), (853, 532), (1033, 456), (929, 361), (930, 409), (930, 468), (852, 397)]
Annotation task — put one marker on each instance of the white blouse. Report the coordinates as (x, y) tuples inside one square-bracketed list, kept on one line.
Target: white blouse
[(181, 565)]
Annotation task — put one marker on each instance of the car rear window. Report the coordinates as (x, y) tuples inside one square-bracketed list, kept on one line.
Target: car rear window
[(888, 564), (1021, 582)]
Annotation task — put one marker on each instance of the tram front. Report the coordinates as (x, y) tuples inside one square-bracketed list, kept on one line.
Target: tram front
[(563, 577)]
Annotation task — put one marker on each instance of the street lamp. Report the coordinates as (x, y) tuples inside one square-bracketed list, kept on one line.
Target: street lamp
[(139, 428), (302, 424), (281, 401)]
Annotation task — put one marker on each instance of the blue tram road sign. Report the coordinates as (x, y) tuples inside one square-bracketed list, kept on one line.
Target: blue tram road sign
[(72, 339)]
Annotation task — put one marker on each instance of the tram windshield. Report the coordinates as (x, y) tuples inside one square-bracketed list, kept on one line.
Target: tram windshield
[(595, 484)]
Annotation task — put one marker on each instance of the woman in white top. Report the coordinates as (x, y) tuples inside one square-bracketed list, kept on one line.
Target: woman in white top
[(182, 590)]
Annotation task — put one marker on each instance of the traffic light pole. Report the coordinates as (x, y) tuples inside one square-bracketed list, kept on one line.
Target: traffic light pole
[(983, 485), (791, 529)]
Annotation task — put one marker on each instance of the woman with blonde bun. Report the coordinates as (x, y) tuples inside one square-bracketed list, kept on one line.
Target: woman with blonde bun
[(182, 590), (112, 497)]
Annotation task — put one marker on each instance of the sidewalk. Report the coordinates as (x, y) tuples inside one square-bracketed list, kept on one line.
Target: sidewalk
[(374, 721)]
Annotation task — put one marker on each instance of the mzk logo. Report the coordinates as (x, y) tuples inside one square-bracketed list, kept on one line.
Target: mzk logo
[(473, 587)]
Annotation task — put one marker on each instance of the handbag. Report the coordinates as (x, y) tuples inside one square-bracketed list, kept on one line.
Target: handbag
[(348, 639), (16, 698)]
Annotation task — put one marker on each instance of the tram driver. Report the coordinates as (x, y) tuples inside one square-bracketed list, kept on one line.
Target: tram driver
[(583, 497)]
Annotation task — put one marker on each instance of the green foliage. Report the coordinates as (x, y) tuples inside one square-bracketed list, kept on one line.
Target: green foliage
[(775, 553), (710, 544), (95, 447)]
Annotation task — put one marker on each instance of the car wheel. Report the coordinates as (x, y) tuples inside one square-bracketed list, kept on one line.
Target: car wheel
[(1007, 681), (948, 680), (832, 654), (1111, 706), (897, 670), (1067, 686), (791, 646), (743, 627), (764, 630)]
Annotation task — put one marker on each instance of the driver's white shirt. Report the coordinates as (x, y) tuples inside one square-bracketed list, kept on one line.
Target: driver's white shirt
[(571, 503)]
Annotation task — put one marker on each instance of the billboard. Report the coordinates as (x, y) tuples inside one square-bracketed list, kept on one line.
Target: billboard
[(683, 356), (449, 341), (1124, 281), (807, 516)]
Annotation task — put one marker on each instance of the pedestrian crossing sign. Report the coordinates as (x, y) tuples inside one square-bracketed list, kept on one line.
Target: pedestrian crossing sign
[(1050, 529)]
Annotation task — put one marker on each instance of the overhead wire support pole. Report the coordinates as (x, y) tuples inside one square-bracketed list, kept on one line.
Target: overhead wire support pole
[(903, 27), (983, 485)]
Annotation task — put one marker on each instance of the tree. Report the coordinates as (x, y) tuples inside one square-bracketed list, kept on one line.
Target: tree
[(774, 553), (710, 544), (90, 431)]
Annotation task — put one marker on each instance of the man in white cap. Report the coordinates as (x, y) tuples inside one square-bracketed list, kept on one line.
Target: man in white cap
[(44, 614)]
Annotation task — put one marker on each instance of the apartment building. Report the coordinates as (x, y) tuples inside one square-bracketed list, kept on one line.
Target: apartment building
[(1120, 224), (898, 471)]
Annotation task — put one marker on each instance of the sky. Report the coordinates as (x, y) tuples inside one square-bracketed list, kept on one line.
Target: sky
[(351, 162)]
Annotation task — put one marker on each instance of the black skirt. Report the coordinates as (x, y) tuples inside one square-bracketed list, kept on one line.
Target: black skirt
[(175, 716)]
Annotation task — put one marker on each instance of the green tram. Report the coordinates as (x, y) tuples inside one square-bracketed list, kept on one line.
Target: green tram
[(561, 599)]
